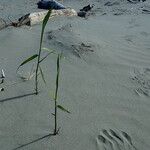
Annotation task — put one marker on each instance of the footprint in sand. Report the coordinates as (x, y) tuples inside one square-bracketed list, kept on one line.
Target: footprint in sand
[(145, 34), (133, 23), (141, 78), (66, 40), (114, 140), (129, 39)]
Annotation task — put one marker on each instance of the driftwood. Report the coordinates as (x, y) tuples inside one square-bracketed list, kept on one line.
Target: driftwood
[(37, 17)]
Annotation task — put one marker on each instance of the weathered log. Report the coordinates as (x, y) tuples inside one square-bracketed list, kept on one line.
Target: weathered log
[(37, 17)]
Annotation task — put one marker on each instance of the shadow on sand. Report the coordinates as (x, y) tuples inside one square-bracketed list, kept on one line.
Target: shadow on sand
[(34, 141), (17, 97)]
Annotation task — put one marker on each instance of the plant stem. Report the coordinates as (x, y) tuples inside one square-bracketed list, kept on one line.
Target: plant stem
[(38, 62), (56, 94), (37, 68), (55, 129)]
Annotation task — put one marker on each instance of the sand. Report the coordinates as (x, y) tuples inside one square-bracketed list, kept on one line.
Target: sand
[(105, 79)]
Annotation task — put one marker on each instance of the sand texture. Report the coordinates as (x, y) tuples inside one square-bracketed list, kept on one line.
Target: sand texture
[(105, 78)]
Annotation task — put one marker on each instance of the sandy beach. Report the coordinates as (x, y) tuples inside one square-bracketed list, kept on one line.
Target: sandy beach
[(104, 82)]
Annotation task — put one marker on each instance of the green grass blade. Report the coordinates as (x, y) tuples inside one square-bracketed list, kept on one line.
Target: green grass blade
[(63, 109), (42, 74), (44, 25), (28, 60), (46, 19)]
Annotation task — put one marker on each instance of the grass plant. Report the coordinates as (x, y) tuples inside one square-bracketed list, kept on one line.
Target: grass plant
[(57, 106), (39, 70), (40, 49), (38, 56)]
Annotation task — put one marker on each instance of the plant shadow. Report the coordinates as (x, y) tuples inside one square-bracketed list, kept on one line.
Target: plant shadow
[(16, 97), (34, 141)]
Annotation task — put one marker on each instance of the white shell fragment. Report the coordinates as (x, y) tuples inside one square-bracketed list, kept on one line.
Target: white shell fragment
[(2, 74)]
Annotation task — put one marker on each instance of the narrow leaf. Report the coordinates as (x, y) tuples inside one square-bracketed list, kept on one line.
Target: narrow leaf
[(46, 19), (42, 75), (28, 60), (43, 26), (53, 114), (63, 109)]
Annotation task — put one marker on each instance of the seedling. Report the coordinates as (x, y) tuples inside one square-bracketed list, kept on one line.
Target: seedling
[(56, 129), (38, 56), (39, 53), (38, 68)]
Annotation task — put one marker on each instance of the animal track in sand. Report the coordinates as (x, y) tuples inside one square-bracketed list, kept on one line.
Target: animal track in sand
[(142, 78), (129, 38), (114, 140)]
